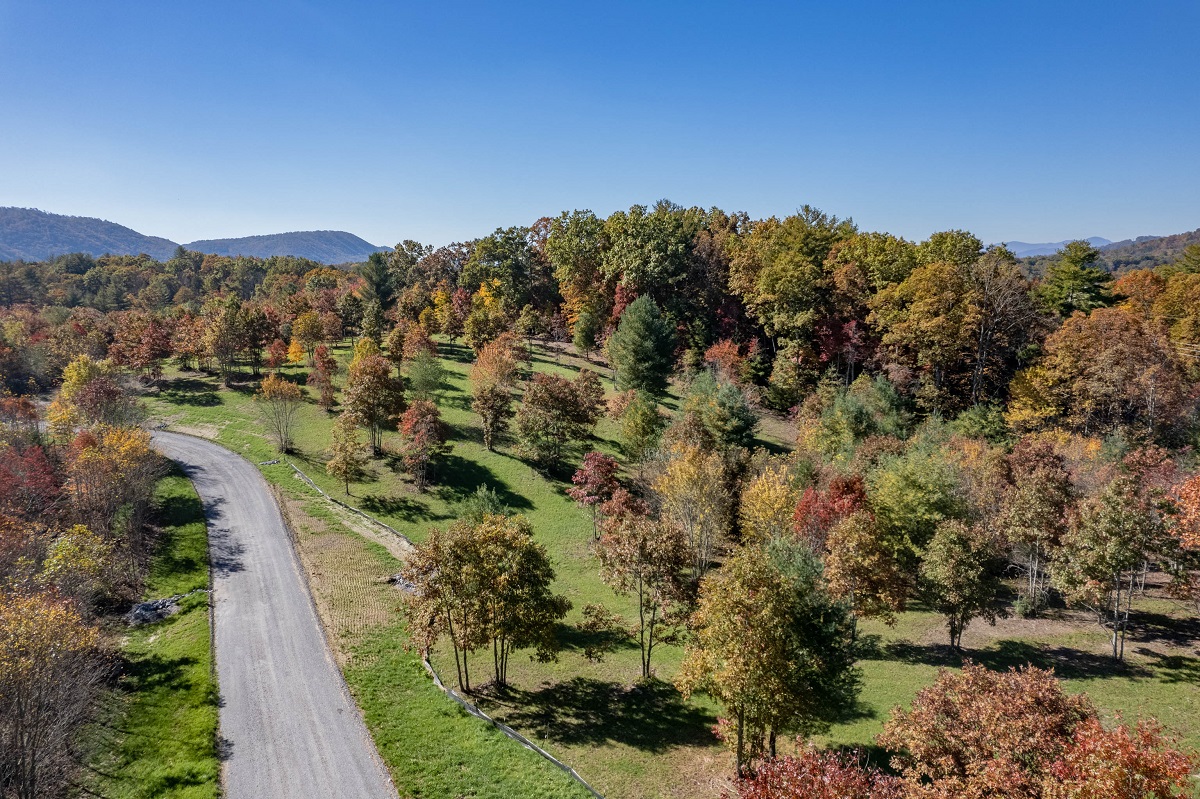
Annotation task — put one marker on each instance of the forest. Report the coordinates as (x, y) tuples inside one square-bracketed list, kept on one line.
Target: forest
[(782, 435)]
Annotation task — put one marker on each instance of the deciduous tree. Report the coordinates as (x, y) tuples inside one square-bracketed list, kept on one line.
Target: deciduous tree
[(552, 417), (347, 461), (862, 568), (772, 646), (692, 490), (374, 394), (1103, 552), (594, 484), (983, 733), (960, 576), (280, 400), (648, 559), (423, 435)]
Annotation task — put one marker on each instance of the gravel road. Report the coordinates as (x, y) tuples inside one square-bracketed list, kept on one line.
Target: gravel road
[(289, 727)]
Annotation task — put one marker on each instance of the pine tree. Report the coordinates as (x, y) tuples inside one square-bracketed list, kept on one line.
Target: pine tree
[(640, 351)]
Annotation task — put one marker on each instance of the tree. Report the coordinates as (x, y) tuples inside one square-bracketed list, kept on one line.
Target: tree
[(222, 332), (910, 496), (594, 484), (693, 495), (50, 670), (295, 351), (425, 375), (641, 427), (485, 583), (1120, 763), (772, 646), (1103, 552), (374, 394), (1073, 283), (587, 328), (776, 269), (79, 564), (308, 332), (378, 282), (1036, 511), (277, 354), (960, 577), (347, 461), (552, 417), (1102, 372), (492, 378), (820, 511), (1185, 539), (321, 377), (280, 400), (424, 438), (575, 248), (647, 559), (983, 733), (817, 774), (862, 569), (717, 413), (768, 502), (640, 350), (960, 326)]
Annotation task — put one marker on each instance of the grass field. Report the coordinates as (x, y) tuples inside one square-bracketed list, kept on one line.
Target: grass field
[(628, 740), (160, 737)]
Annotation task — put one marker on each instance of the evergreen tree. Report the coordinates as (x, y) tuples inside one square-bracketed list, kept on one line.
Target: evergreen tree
[(1074, 283), (640, 350)]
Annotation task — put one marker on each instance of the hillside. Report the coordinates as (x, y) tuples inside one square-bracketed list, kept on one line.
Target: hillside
[(325, 246), (32, 235), (1144, 252), (1024, 249)]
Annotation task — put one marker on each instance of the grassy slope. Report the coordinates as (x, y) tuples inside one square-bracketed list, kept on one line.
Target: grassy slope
[(432, 747), (582, 710), (165, 742)]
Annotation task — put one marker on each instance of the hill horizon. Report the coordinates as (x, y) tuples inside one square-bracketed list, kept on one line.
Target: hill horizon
[(31, 234)]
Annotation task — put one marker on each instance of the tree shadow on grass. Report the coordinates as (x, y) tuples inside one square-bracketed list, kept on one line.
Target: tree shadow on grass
[(1173, 668), (153, 671), (461, 478), (459, 353), (190, 391), (1161, 628), (1068, 663), (651, 717), (410, 510), (578, 640)]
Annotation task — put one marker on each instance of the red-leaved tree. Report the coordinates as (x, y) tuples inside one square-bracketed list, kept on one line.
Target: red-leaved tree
[(595, 482), (815, 774)]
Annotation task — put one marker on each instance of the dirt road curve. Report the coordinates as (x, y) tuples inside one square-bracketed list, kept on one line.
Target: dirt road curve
[(290, 728)]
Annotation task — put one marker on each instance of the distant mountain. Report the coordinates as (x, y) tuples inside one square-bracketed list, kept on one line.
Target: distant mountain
[(1023, 249), (31, 235), (325, 246), (1144, 252)]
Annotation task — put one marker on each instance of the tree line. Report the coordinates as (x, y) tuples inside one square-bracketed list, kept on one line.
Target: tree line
[(74, 549), (955, 419)]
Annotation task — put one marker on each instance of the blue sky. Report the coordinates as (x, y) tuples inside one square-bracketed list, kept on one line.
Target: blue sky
[(439, 121)]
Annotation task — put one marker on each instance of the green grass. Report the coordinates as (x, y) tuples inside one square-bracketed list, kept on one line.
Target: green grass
[(630, 741), (161, 739), (432, 747)]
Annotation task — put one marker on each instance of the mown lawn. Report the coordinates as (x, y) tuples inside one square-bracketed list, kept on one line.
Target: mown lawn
[(633, 741), (160, 737)]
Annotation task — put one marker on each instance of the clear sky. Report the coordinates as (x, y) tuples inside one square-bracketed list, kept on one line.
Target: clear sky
[(1031, 121)]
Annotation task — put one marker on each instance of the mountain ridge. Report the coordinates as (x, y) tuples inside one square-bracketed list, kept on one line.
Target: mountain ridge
[(30, 234), (325, 246)]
